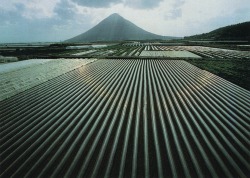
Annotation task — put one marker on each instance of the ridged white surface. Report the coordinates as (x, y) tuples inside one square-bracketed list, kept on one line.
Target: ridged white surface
[(20, 76), (127, 118)]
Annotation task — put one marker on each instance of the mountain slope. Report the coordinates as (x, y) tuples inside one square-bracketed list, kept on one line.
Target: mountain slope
[(233, 32), (115, 28)]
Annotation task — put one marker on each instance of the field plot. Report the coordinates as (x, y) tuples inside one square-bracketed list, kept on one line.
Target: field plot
[(234, 70), (8, 59), (117, 50), (165, 51), (209, 52), (172, 54), (84, 52), (127, 118), (21, 64), (19, 76)]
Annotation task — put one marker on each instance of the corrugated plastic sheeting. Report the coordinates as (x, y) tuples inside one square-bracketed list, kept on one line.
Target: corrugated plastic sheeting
[(128, 118)]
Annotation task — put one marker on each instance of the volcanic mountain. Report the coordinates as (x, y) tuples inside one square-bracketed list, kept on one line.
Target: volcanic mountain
[(116, 28), (239, 31)]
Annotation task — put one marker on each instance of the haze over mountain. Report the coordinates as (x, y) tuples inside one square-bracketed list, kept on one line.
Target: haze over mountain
[(116, 28), (239, 31)]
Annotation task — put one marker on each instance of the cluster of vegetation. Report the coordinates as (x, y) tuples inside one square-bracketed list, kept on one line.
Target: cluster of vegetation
[(233, 32), (233, 70), (34, 52)]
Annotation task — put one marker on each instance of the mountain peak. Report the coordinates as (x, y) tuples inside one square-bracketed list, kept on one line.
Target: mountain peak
[(114, 16)]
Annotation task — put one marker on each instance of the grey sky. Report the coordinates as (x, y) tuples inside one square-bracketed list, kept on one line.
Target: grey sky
[(140, 4), (96, 3), (58, 20)]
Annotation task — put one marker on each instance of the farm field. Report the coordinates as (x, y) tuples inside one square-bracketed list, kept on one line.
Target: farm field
[(21, 64), (83, 53), (236, 71), (130, 118), (172, 54), (119, 50), (20, 76), (150, 50), (230, 64)]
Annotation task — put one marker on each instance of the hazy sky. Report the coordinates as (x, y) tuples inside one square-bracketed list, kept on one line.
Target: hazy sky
[(58, 20)]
